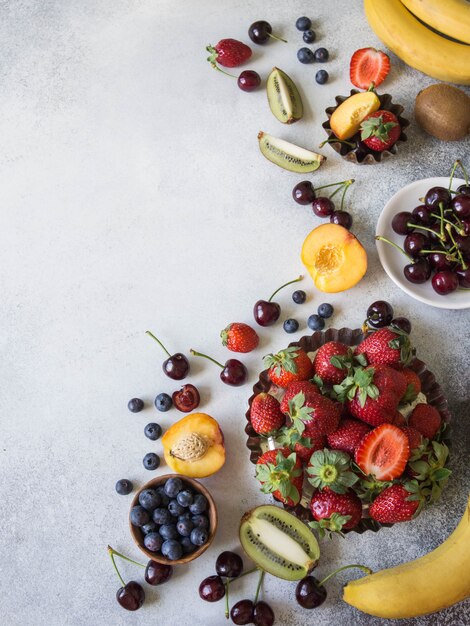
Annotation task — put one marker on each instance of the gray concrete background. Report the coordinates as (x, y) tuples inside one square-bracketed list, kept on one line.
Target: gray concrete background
[(133, 196)]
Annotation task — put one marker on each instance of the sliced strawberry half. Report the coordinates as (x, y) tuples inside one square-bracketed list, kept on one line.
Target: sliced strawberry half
[(367, 66), (383, 452)]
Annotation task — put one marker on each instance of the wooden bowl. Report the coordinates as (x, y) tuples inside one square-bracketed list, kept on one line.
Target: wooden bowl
[(138, 535)]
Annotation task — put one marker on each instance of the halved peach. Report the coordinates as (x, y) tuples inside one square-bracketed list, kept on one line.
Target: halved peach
[(194, 446), (334, 258), (348, 116)]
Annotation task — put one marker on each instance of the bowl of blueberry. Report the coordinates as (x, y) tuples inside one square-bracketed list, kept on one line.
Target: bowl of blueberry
[(173, 519)]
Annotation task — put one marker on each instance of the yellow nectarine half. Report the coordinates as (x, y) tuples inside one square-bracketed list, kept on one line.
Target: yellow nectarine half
[(194, 446), (348, 116), (334, 258)]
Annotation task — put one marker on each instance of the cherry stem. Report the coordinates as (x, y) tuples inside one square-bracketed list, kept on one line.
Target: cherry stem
[(260, 581), (126, 558), (449, 222), (365, 569), (450, 257), (147, 332), (452, 172), (457, 164), (380, 238), (296, 280), (430, 230), (334, 140), (277, 38), (342, 182), (441, 217), (227, 609), (194, 353), (111, 554), (216, 67), (459, 254), (347, 184)]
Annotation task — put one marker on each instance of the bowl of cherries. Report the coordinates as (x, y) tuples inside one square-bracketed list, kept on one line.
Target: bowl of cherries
[(423, 240)]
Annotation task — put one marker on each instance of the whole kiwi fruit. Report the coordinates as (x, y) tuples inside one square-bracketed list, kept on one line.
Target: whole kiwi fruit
[(443, 111)]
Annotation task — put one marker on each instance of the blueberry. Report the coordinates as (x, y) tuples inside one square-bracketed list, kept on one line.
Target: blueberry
[(173, 486), (322, 77), (321, 55), (199, 505), (325, 310), (149, 499), (183, 516), (161, 516), (135, 405), (199, 536), (153, 431), (139, 516), (309, 36), (200, 521), (185, 497), (305, 55), (172, 549), (168, 531), (315, 322), (153, 542), (299, 296), (124, 487), (163, 402), (184, 527), (187, 545), (149, 528), (175, 508), (291, 326), (151, 461), (164, 499), (303, 23)]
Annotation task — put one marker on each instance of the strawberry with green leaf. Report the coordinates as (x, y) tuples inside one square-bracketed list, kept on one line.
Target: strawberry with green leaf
[(334, 512), (386, 347), (280, 473), (413, 387), (332, 362), (314, 415), (397, 503), (304, 447), (427, 465), (380, 130), (331, 468), (304, 386), (288, 365)]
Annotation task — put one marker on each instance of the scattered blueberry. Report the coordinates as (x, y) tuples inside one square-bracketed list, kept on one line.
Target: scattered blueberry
[(151, 461), (139, 516), (149, 499), (322, 77), (153, 542), (172, 549), (299, 296), (163, 402), (199, 536), (315, 322), (173, 486), (168, 531), (200, 521), (149, 528), (199, 505), (175, 508), (153, 431), (291, 325), (135, 405), (162, 516), (163, 497), (309, 36), (124, 487), (185, 497), (184, 527), (187, 545), (305, 55), (321, 55), (303, 23), (325, 310)]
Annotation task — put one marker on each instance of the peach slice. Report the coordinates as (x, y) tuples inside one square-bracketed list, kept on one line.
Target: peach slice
[(194, 446), (347, 118), (334, 258)]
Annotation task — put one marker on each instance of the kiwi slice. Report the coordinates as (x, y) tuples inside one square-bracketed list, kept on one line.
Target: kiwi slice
[(288, 155), (278, 542), (284, 97)]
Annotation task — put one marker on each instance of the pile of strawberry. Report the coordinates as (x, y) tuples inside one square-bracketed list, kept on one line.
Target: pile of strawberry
[(346, 449)]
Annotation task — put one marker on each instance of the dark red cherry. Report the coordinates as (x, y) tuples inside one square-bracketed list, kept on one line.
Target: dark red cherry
[(309, 593), (379, 314), (445, 282), (186, 399), (249, 80), (212, 589), (304, 193), (463, 276), (176, 366), (261, 32), (465, 189), (414, 243), (435, 196), (341, 218), (263, 615), (400, 223), (403, 323), (417, 272), (422, 215), (266, 312), (157, 573), (242, 612), (439, 261), (229, 564), (233, 373), (323, 206), (463, 244), (461, 205), (131, 597)]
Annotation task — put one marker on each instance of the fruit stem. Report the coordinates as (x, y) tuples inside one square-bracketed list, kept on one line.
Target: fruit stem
[(111, 554), (380, 238), (449, 256), (347, 184), (227, 608), (334, 140), (441, 217), (259, 585), (296, 280), (460, 231), (459, 254), (452, 172), (430, 230), (277, 38), (342, 182), (147, 332), (216, 67), (126, 558), (365, 569), (194, 353)]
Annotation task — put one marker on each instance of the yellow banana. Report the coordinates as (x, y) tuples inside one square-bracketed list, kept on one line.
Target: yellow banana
[(428, 584), (416, 45), (451, 17)]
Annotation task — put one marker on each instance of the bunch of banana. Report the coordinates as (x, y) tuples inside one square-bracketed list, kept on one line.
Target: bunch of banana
[(433, 582), (419, 46)]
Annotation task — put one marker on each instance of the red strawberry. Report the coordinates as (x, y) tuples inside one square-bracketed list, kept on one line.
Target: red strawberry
[(304, 447), (380, 130), (393, 505), (399, 419), (280, 473), (415, 439), (331, 469), (331, 362), (367, 66), (384, 452), (335, 511), (288, 365), (413, 383), (304, 386), (348, 436), (314, 415), (386, 347), (239, 337), (265, 414), (229, 53), (426, 419)]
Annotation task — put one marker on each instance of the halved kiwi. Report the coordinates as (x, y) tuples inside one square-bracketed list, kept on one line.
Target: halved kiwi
[(289, 156), (278, 542), (284, 97)]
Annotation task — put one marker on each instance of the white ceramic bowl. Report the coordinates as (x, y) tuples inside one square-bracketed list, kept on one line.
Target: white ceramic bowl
[(393, 261)]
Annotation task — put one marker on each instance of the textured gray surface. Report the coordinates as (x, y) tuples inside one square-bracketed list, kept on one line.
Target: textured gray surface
[(133, 195)]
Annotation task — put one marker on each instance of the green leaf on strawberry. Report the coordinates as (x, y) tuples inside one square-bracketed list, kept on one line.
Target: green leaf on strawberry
[(331, 468), (284, 360), (299, 413)]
